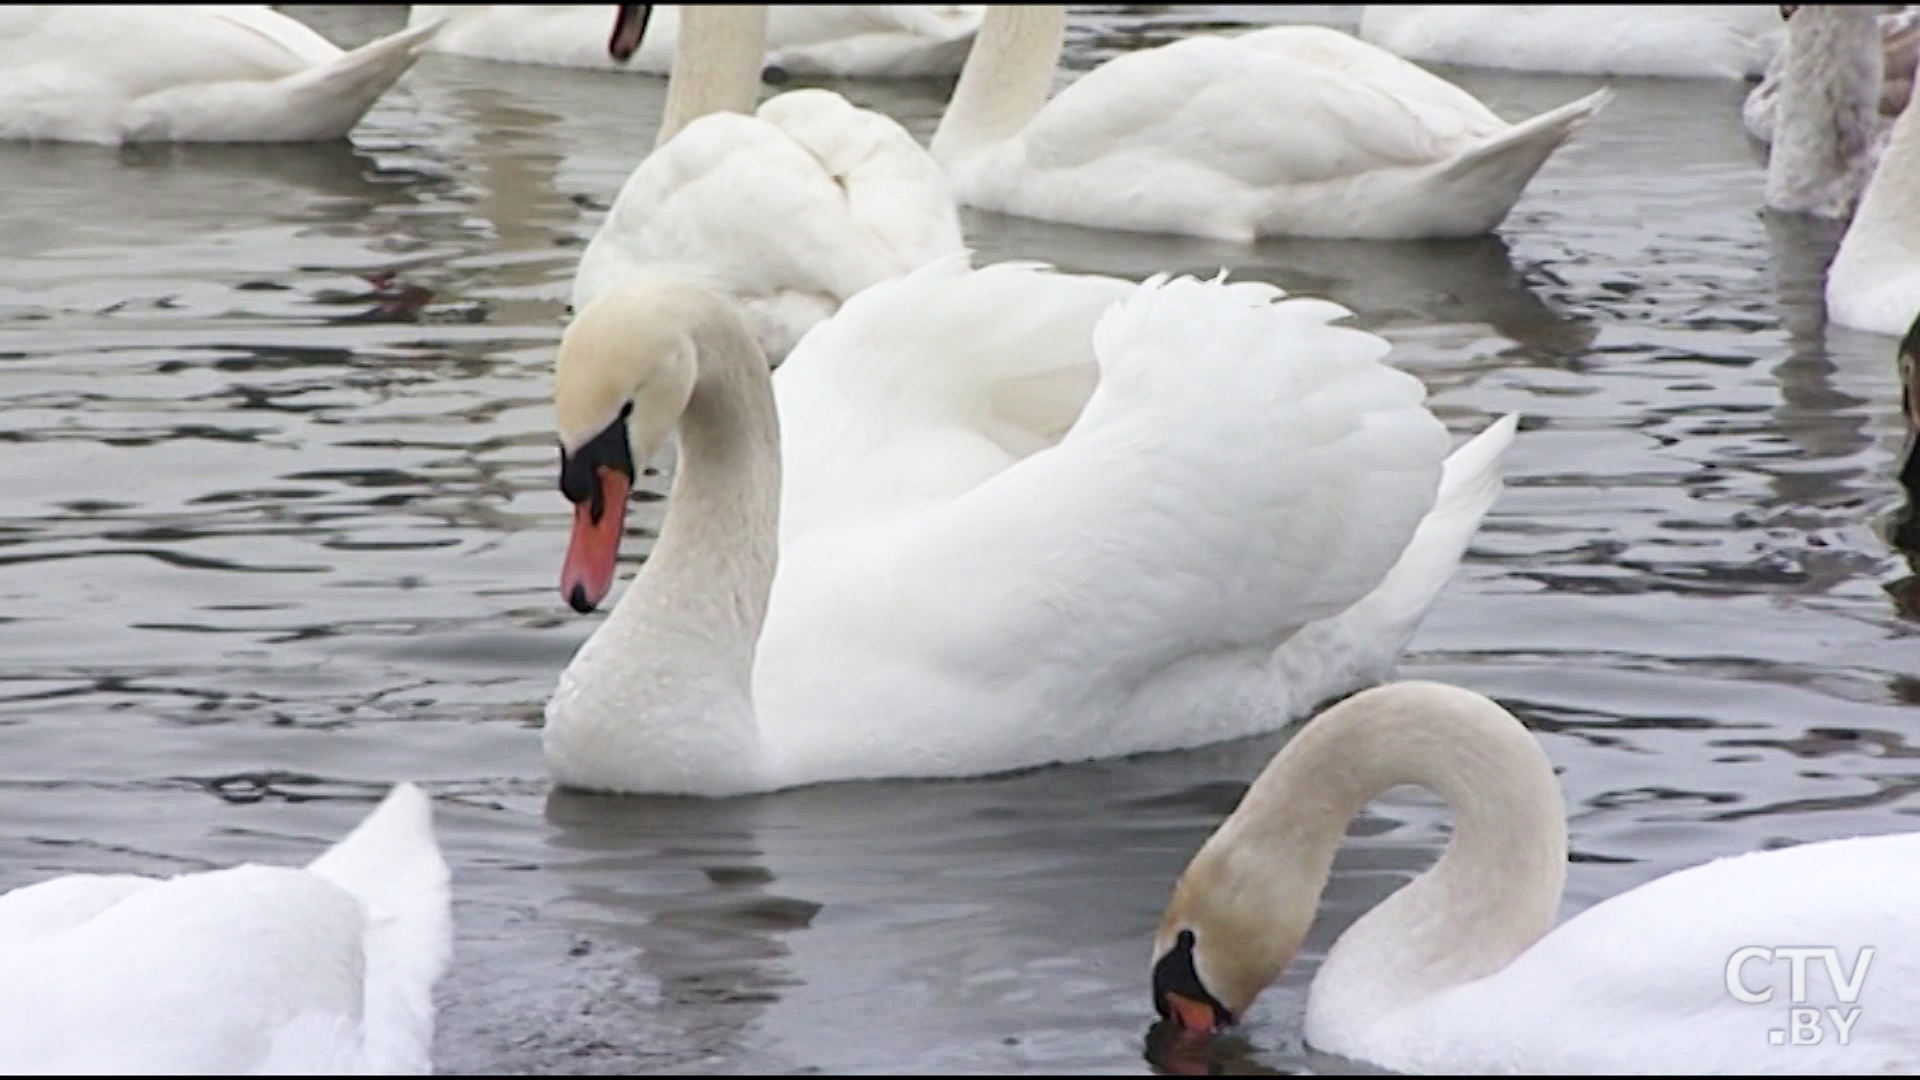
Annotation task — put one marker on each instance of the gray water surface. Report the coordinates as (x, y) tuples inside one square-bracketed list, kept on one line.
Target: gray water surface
[(278, 528)]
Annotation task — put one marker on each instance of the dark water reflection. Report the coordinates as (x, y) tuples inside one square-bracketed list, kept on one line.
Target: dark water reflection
[(277, 529)]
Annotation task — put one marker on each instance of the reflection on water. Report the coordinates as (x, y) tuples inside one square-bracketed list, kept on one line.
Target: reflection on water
[(278, 529)]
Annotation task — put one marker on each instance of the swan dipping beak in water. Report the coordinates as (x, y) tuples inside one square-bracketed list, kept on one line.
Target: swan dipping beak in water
[(1462, 971)]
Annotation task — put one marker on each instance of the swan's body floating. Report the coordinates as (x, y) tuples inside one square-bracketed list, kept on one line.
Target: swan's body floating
[(1874, 282), (1707, 41), (206, 73), (1831, 153), (1289, 131), (1461, 971), (975, 572), (900, 41), (256, 969), (791, 210)]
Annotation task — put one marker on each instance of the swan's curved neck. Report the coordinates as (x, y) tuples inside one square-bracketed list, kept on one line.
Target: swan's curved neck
[(720, 535), (716, 64), (1828, 110), (687, 628), (1007, 78), (1494, 891)]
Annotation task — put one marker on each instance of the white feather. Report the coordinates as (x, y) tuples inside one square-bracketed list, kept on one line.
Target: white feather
[(1290, 131), (1646, 971), (1708, 41), (791, 210), (254, 969), (191, 73)]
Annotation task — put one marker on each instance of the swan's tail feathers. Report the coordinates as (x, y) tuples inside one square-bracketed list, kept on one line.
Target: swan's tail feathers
[(1498, 170), (1368, 637), (333, 97), (392, 864), (1470, 478)]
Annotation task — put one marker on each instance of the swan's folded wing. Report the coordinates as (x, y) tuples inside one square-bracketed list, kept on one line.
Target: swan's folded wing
[(141, 49), (893, 188), (1683, 40), (1244, 467), (278, 34), (791, 25), (1232, 110), (1325, 50), (190, 975), (32, 913), (1659, 961), (737, 200), (922, 387)]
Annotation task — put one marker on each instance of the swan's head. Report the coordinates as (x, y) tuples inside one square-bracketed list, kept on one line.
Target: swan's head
[(625, 372), (629, 29), (1235, 921)]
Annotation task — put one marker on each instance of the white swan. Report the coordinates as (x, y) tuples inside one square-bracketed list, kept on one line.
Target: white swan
[(792, 210), (1702, 41), (1829, 133), (203, 73), (1832, 153), (255, 969), (844, 41), (1874, 282), (1899, 52), (1461, 970), (1288, 131), (1249, 514)]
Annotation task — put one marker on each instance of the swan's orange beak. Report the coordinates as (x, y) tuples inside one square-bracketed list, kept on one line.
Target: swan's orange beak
[(1194, 1016), (587, 574)]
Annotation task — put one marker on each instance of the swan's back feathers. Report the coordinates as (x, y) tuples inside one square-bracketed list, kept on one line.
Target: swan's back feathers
[(214, 73), (195, 974), (810, 200), (1256, 113), (922, 387), (891, 184), (1654, 960), (1674, 40), (940, 20), (301, 45), (249, 969), (1442, 104), (1295, 130), (947, 330), (134, 50), (32, 913), (711, 199), (794, 26), (885, 41), (1359, 645), (393, 866), (1242, 468)]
